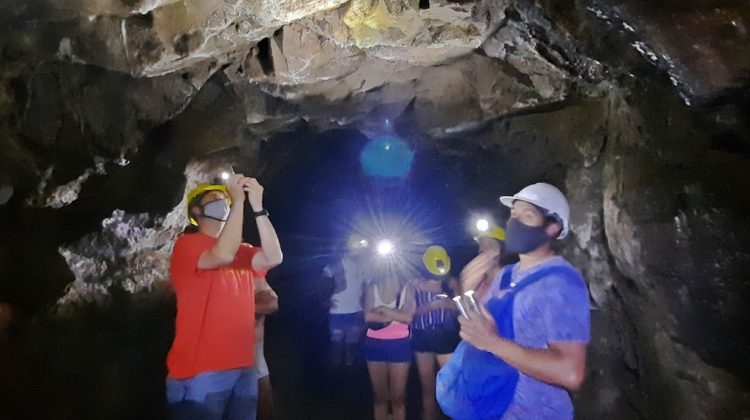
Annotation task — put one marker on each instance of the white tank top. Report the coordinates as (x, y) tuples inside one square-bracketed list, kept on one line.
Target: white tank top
[(349, 300), (379, 301), (395, 330)]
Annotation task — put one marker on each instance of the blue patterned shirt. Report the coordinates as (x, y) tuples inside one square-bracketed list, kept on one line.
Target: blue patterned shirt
[(555, 308)]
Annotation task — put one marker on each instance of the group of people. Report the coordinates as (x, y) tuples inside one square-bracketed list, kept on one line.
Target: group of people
[(402, 317), (504, 340), (523, 354)]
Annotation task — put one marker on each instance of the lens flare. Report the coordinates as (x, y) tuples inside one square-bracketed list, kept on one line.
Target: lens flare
[(387, 157)]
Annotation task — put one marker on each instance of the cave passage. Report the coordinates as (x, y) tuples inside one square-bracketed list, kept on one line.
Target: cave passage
[(320, 202)]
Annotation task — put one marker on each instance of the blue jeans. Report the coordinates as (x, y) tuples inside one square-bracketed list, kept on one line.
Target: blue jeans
[(223, 395)]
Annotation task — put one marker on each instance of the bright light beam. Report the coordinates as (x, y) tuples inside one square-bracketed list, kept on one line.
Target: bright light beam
[(483, 225), (386, 247)]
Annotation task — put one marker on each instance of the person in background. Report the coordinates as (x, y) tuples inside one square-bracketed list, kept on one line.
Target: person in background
[(211, 373), (266, 303), (490, 242), (346, 319), (434, 327), (389, 308)]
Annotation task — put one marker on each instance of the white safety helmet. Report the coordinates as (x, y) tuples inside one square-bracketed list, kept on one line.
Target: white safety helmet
[(547, 197)]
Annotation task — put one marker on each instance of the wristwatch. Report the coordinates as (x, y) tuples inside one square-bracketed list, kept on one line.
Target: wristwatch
[(261, 213)]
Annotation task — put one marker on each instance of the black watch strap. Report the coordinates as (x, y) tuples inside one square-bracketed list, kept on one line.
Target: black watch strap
[(261, 213)]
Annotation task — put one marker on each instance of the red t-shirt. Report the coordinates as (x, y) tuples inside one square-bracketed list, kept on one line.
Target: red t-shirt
[(215, 326)]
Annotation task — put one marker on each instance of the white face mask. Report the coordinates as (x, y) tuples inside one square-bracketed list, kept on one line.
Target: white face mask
[(217, 210)]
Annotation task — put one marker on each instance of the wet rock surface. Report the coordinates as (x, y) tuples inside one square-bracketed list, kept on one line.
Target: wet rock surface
[(702, 45), (109, 110)]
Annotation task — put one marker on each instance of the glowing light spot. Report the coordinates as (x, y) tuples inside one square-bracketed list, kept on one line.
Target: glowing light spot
[(386, 247), (225, 176), (483, 225)]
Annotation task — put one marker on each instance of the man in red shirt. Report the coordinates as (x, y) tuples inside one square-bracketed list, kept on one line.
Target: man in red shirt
[(211, 362)]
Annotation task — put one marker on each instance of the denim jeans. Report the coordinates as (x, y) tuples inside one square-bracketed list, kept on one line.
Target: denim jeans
[(222, 395)]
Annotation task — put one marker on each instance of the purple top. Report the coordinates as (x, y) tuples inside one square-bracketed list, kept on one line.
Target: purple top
[(434, 319)]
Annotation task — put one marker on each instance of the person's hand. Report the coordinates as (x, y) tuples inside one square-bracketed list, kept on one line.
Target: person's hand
[(254, 193), (236, 188), (476, 268), (479, 330)]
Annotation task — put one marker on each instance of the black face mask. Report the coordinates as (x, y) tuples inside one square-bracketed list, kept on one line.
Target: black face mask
[(523, 239)]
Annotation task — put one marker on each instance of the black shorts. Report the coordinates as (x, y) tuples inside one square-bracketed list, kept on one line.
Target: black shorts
[(391, 351), (438, 341)]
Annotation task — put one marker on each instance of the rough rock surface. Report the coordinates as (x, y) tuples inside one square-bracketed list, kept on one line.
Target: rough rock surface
[(654, 240), (132, 250), (703, 46)]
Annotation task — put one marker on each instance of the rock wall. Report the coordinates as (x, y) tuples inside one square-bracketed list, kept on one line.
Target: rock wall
[(660, 243)]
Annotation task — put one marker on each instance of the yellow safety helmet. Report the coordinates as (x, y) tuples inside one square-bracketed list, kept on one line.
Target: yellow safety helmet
[(437, 261), (198, 191), (357, 241), (495, 232)]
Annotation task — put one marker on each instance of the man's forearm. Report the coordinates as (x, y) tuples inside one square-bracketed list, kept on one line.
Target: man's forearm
[(269, 241), (231, 236), (546, 365)]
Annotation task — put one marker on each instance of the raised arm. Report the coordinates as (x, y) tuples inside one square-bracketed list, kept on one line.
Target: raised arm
[(225, 249), (475, 271), (270, 254)]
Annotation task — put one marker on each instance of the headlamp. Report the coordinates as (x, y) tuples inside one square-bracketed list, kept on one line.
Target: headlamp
[(385, 247), (440, 264), (482, 225)]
